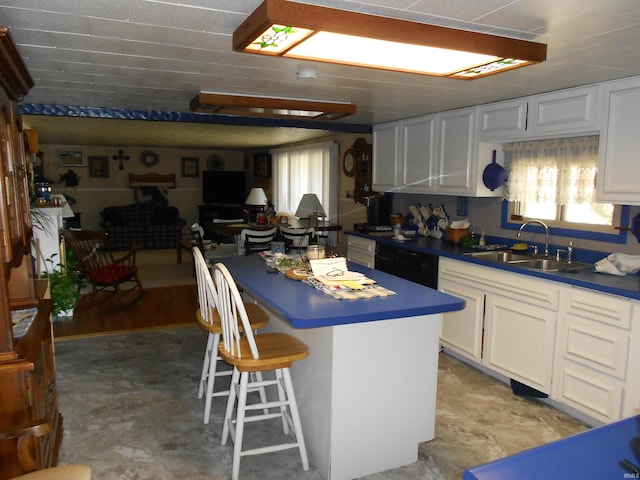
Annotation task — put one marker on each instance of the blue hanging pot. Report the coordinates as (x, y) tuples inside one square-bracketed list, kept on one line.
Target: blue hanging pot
[(494, 175)]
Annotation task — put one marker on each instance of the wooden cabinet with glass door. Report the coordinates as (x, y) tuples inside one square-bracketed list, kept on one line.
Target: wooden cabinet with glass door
[(27, 366)]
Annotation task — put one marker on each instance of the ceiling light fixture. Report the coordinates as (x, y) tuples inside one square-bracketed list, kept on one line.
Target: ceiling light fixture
[(269, 107), (308, 32)]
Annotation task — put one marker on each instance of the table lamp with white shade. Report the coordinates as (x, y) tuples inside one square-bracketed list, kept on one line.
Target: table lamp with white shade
[(256, 202)]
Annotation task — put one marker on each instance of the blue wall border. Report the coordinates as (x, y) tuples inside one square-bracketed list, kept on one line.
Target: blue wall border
[(189, 117)]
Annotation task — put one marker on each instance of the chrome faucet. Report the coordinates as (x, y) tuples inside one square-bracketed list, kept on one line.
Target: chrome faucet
[(546, 233)]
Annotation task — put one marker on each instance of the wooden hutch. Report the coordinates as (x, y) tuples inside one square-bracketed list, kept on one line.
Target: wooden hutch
[(30, 423)]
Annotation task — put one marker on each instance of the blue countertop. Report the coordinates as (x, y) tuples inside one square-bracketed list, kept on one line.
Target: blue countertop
[(302, 306), (594, 454), (627, 286)]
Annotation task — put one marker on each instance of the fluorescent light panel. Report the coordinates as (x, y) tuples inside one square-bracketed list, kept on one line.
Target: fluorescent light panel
[(307, 32), (270, 107)]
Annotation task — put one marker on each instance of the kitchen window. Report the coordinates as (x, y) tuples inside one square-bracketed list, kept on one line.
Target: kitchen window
[(305, 169), (554, 181)]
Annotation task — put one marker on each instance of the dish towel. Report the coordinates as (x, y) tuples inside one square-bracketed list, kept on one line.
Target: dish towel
[(618, 264)]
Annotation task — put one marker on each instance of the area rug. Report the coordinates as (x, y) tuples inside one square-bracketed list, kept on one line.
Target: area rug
[(159, 307)]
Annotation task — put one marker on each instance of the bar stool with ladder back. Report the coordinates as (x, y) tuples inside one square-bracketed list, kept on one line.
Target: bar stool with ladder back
[(256, 353), (209, 319)]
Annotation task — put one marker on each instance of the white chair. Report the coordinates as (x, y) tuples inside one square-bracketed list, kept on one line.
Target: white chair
[(209, 319), (296, 238), (257, 240), (256, 353), (218, 250)]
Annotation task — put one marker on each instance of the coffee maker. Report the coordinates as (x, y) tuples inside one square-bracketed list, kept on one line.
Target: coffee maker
[(378, 210)]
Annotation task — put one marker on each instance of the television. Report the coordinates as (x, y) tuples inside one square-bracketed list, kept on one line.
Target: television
[(226, 188)]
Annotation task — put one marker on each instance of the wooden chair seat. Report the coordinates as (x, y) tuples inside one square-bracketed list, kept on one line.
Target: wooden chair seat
[(257, 316), (277, 350)]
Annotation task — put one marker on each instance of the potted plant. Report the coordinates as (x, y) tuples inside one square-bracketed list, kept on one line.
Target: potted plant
[(63, 284)]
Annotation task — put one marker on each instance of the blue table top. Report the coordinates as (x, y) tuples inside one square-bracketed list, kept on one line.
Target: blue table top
[(591, 455), (302, 306)]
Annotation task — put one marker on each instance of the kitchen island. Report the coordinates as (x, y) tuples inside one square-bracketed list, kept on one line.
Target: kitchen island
[(367, 391)]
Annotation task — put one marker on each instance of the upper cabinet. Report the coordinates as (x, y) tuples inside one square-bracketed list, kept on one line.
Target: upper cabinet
[(618, 168), (387, 151), (565, 112), (431, 154)]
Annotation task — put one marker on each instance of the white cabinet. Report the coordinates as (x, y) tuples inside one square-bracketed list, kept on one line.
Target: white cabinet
[(618, 167), (461, 331), (511, 330), (436, 154), (387, 152), (417, 167), (361, 250), (503, 120), (561, 113), (596, 365)]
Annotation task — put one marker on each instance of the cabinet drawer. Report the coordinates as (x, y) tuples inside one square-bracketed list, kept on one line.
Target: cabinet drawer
[(604, 349), (361, 258), (606, 309), (588, 391)]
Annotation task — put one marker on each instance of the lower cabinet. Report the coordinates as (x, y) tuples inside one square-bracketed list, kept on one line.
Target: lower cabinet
[(361, 250), (508, 324), (579, 346), (596, 367)]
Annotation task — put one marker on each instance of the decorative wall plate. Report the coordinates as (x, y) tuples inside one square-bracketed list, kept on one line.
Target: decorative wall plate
[(149, 158), (215, 162)]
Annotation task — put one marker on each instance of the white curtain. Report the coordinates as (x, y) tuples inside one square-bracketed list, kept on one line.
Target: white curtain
[(305, 169), (560, 171)]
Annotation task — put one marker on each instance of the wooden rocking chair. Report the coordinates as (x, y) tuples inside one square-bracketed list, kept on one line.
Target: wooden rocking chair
[(99, 267)]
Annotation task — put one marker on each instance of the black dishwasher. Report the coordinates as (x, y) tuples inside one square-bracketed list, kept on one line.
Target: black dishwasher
[(415, 266)]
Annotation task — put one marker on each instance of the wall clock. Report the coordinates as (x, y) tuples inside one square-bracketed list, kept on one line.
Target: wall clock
[(348, 163)]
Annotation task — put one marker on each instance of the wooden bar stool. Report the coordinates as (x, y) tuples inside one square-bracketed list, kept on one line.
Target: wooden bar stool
[(209, 319), (256, 353)]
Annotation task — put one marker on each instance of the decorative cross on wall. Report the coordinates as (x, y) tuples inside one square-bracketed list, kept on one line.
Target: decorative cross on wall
[(120, 157)]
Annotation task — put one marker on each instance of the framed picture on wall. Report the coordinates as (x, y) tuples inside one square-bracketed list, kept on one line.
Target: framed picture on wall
[(72, 158), (99, 167), (262, 165), (190, 167)]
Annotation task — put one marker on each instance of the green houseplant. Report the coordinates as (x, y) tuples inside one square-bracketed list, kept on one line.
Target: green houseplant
[(63, 284)]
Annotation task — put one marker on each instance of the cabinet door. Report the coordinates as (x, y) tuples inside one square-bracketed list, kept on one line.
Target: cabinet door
[(387, 152), (462, 330), (419, 136), (503, 120), (519, 341), (456, 168), (618, 167), (566, 111)]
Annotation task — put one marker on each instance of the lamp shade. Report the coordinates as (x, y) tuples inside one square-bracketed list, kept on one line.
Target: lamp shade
[(310, 206), (256, 197)]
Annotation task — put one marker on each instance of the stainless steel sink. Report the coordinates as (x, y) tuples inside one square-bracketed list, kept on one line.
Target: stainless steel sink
[(529, 261), (550, 265), (502, 257)]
